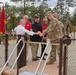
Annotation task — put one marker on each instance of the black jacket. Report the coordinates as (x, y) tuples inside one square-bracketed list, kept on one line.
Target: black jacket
[(36, 27)]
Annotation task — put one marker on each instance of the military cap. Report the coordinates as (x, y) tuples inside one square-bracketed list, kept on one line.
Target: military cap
[(36, 16), (49, 12)]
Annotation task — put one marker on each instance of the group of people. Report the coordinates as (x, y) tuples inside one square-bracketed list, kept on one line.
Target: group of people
[(35, 31), (40, 32)]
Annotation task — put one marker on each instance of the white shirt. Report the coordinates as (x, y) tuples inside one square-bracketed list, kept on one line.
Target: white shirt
[(20, 30)]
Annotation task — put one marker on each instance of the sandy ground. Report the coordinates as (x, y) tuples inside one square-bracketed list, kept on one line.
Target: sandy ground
[(2, 52)]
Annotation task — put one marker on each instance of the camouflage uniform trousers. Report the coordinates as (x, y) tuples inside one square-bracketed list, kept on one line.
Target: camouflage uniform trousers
[(55, 49), (58, 52), (53, 53)]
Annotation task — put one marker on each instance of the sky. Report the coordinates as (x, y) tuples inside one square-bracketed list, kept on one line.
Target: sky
[(51, 3)]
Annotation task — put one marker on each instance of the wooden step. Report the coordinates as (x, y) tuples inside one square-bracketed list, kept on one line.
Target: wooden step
[(49, 70)]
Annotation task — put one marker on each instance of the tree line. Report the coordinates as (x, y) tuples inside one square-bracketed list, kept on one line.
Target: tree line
[(15, 13)]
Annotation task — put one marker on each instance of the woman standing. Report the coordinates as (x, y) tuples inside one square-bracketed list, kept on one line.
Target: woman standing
[(44, 26)]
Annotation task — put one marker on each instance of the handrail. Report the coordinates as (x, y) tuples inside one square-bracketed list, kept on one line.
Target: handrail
[(46, 59), (10, 56), (48, 43), (18, 56)]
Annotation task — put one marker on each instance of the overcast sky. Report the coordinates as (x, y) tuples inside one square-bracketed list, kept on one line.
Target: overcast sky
[(51, 3)]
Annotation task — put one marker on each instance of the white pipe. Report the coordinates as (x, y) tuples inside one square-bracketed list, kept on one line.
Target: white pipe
[(9, 57), (46, 59), (18, 56), (41, 59)]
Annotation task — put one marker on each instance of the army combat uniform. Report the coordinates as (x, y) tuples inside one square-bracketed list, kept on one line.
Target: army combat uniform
[(53, 32), (67, 27), (61, 34)]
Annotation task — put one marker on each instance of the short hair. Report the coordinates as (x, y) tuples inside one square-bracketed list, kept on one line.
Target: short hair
[(21, 20), (45, 19), (25, 16)]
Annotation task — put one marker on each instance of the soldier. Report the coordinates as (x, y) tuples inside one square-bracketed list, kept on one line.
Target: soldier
[(62, 32), (53, 32), (67, 26), (60, 23)]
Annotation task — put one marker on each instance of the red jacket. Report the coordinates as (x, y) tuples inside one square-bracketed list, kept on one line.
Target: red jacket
[(44, 26), (28, 26)]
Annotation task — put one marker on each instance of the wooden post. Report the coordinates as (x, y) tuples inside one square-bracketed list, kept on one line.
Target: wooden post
[(6, 47), (0, 41), (22, 59), (60, 57), (65, 61)]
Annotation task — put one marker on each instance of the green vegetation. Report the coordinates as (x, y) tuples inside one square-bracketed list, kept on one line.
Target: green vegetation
[(15, 13)]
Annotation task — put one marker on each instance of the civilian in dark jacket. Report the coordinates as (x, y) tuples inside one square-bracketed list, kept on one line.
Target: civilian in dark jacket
[(36, 26)]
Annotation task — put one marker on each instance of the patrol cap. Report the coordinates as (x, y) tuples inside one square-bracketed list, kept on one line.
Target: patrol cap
[(36, 16), (48, 13)]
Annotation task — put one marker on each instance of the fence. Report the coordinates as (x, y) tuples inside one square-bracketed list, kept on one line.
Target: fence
[(67, 63), (6, 48)]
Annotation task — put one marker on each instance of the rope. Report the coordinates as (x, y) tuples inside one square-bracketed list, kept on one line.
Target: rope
[(42, 43)]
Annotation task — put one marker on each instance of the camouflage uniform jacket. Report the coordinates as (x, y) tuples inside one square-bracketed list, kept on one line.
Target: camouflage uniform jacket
[(53, 31), (67, 27), (62, 28)]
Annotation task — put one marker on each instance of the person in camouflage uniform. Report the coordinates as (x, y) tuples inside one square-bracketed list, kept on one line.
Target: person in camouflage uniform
[(53, 32), (67, 27), (60, 23), (62, 33)]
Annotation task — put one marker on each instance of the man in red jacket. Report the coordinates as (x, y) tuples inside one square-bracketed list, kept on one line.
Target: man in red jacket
[(28, 24)]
